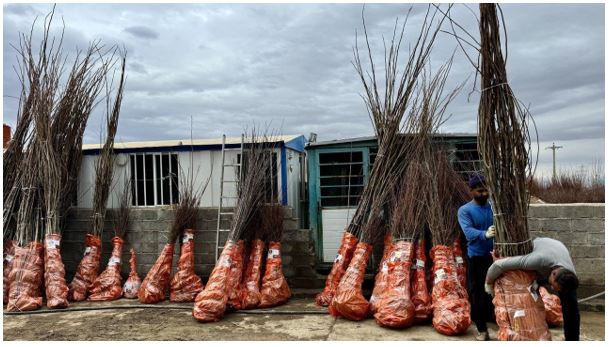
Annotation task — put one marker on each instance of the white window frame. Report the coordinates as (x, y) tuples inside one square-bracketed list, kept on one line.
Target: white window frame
[(155, 179)]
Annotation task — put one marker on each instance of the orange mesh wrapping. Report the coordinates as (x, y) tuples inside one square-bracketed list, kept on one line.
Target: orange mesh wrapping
[(349, 302), (419, 291), (380, 280), (26, 278), (250, 288), (451, 308), (7, 263), (133, 283), (156, 283), (553, 307), (185, 284), (395, 309), (519, 309), (107, 286), (234, 279), (55, 284), (210, 303), (460, 262), (275, 289), (343, 258), (87, 269)]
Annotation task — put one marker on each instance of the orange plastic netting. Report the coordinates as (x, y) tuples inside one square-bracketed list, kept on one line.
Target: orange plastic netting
[(343, 258), (451, 308), (275, 289), (210, 303), (26, 278), (7, 265), (419, 291), (156, 282), (460, 262), (552, 306), (87, 269), (380, 280), (107, 286), (349, 302), (519, 309), (396, 310), (250, 288), (133, 282), (55, 284), (185, 284), (234, 278)]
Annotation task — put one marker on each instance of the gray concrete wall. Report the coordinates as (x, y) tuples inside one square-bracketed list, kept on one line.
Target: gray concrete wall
[(581, 227), (149, 231)]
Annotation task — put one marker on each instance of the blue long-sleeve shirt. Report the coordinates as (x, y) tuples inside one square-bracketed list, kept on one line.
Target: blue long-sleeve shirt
[(475, 220)]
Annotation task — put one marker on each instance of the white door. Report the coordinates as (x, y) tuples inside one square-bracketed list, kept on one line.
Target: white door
[(334, 222)]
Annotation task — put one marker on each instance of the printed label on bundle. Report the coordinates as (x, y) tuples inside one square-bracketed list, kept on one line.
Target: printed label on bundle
[(52, 243), (533, 291), (459, 260), (385, 268), (420, 263), (397, 256), (440, 275), (338, 258), (519, 313), (187, 237), (8, 258), (88, 250), (114, 260), (273, 253)]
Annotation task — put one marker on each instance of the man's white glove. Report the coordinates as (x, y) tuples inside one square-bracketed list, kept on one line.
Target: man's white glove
[(489, 289), (490, 233)]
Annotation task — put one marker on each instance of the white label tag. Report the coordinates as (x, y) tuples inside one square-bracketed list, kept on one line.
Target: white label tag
[(187, 237), (533, 291), (114, 260), (459, 260), (52, 243), (88, 250), (385, 268), (439, 275), (273, 253), (519, 313), (338, 258), (420, 263), (397, 256), (225, 262), (8, 258)]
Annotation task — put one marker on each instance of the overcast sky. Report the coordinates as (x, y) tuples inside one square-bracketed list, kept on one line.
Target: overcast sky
[(228, 65)]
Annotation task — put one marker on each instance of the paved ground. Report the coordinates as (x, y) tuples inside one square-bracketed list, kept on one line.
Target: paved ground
[(298, 320)]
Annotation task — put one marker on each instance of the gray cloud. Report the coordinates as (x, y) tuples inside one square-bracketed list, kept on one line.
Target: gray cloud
[(142, 32)]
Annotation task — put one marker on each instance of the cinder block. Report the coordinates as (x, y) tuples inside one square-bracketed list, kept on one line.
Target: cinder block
[(571, 238), (587, 252), (542, 211), (288, 271), (594, 266), (556, 224), (535, 224), (596, 238), (286, 259), (588, 225)]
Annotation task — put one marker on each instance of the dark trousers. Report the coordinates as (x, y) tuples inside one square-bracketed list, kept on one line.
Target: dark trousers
[(482, 309), (570, 314)]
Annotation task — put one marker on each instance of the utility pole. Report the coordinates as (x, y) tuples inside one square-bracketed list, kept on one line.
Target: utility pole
[(554, 148)]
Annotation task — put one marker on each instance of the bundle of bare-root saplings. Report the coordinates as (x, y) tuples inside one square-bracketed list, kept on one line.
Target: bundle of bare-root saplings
[(504, 145), (45, 159)]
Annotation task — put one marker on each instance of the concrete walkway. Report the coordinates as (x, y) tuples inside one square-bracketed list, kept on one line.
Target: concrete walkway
[(300, 319)]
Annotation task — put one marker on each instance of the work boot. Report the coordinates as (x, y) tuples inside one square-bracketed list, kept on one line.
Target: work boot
[(482, 336)]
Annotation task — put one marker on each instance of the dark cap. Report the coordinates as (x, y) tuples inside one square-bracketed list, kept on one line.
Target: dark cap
[(476, 180)]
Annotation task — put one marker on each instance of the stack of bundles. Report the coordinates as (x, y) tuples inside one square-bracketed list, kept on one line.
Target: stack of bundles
[(504, 145), (185, 284), (133, 282), (386, 113), (382, 274), (88, 267), (553, 307), (157, 280), (211, 303), (250, 284), (275, 289), (108, 285)]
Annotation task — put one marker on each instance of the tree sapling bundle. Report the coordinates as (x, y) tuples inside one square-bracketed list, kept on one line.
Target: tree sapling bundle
[(250, 285), (133, 282)]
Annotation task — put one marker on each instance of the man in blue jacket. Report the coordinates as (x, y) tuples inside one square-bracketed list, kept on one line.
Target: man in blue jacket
[(476, 220)]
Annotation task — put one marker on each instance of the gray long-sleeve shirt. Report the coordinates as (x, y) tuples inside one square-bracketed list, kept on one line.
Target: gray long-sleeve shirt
[(547, 254)]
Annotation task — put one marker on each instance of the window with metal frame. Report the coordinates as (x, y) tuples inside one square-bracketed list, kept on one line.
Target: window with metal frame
[(271, 183), (341, 178), (154, 179)]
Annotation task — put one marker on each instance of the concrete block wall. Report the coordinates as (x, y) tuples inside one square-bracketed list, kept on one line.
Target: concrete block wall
[(148, 234), (581, 227)]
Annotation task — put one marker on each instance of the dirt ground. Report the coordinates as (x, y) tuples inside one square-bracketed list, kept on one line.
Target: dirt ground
[(300, 319)]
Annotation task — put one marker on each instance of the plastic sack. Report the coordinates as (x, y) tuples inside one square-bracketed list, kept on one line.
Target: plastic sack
[(156, 282), (451, 308), (107, 286), (185, 284), (250, 288), (419, 291), (349, 302), (341, 262), (275, 289), (26, 278), (55, 284), (395, 309), (7, 266), (460, 262), (519, 310), (210, 303), (380, 280), (234, 279), (87, 269), (133, 282), (552, 306)]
